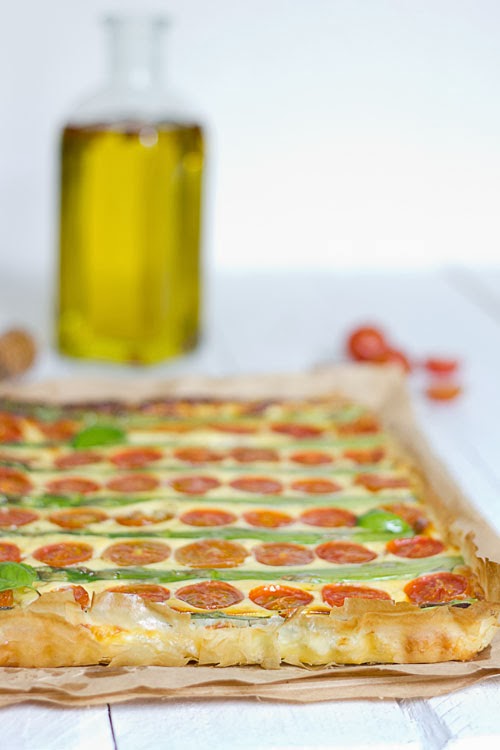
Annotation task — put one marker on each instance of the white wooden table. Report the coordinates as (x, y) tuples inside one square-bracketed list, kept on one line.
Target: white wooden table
[(283, 323)]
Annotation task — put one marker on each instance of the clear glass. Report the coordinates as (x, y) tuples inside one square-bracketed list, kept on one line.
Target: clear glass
[(130, 211)]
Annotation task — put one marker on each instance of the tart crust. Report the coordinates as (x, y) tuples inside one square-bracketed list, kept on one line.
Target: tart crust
[(122, 630)]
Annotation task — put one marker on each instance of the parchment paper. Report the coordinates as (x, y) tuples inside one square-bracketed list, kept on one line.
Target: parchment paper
[(384, 391)]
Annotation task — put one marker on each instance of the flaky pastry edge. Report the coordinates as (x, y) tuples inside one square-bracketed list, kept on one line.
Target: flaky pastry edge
[(124, 630)]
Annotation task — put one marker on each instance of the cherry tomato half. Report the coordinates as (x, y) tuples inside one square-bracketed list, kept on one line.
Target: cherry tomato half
[(443, 391), (441, 365)]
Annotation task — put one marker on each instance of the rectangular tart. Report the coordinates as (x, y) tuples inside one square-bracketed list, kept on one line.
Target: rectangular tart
[(227, 531)]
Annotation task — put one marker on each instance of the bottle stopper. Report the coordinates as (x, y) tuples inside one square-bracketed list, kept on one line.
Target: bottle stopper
[(17, 352)]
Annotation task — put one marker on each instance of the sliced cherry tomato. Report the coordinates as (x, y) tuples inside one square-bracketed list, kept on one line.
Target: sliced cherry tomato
[(283, 554), (72, 486), (6, 599), (311, 458), (136, 458), (417, 546), (375, 483), (209, 595), (77, 518), (336, 594), (80, 595), (394, 357), (152, 592), (10, 429), (77, 458), (143, 518), (13, 482), (207, 517), (62, 430), (270, 519), (9, 552), (194, 485), (440, 365), (365, 455), (366, 344), (366, 424), (437, 587), (328, 517), (258, 485), (64, 553), (197, 455), (279, 598), (344, 553), (251, 455), (14, 517), (132, 483), (443, 391), (211, 553), (136, 552), (234, 429), (315, 486), (299, 431)]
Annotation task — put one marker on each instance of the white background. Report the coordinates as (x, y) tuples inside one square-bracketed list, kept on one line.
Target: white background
[(343, 133)]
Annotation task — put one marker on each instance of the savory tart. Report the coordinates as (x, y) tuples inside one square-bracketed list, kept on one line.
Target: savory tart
[(225, 532)]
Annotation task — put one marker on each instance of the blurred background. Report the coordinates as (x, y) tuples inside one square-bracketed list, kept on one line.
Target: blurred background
[(342, 133)]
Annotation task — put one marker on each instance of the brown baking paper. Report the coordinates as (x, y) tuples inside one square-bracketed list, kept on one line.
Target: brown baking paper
[(384, 391)]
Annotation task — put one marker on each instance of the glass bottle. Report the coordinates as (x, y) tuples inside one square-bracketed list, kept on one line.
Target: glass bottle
[(130, 205)]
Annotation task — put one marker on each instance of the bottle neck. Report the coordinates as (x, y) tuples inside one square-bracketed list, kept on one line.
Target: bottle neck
[(136, 59)]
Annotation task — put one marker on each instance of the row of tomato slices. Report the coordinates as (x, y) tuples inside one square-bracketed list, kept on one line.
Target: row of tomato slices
[(221, 553), (15, 482), (325, 517), (433, 588), (196, 455), (12, 428)]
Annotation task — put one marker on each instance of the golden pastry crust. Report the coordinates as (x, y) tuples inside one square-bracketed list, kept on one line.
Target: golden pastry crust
[(126, 631)]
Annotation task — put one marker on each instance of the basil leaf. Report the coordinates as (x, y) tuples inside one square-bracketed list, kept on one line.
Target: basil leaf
[(98, 434), (381, 520), (16, 575)]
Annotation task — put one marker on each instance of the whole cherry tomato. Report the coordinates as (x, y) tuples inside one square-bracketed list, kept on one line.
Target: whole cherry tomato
[(366, 344)]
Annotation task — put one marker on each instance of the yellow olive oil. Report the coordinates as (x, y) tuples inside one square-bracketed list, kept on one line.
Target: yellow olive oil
[(129, 266)]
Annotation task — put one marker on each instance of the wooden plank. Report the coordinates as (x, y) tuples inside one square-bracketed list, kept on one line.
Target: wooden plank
[(32, 726), (479, 285), (434, 733), (244, 724), (470, 716)]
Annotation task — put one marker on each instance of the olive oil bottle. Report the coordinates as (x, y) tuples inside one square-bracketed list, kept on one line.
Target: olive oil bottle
[(130, 214)]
